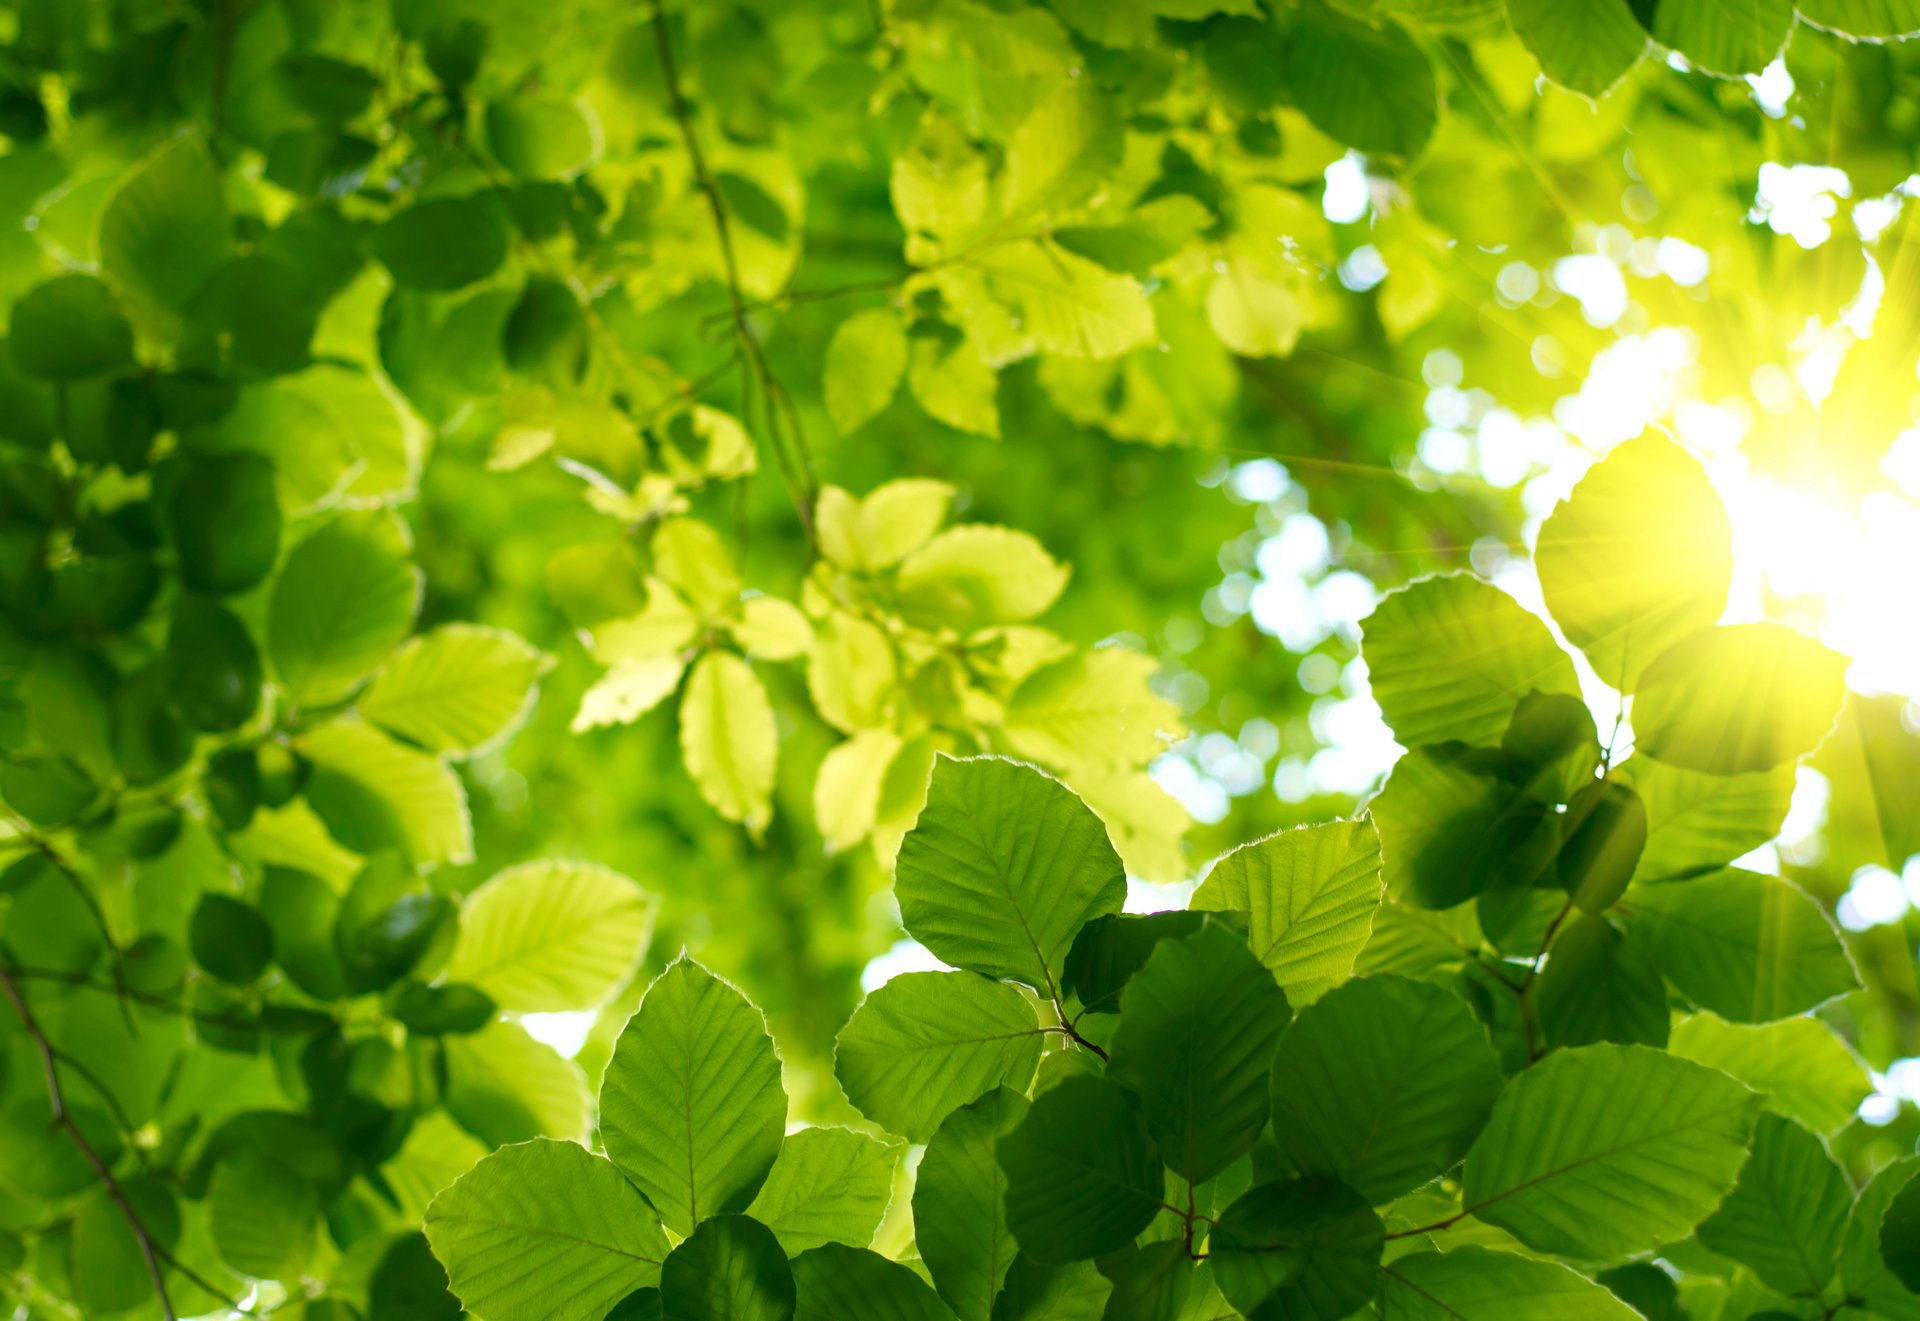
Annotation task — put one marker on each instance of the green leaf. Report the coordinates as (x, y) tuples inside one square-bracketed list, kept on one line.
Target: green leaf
[(457, 689), (376, 794), (1478, 1284), (1036, 1291), (165, 230), (879, 530), (828, 1185), (1730, 38), (1737, 699), (1310, 895), (1370, 87), (1604, 833), (213, 668), (444, 243), (545, 1230), (959, 1199), (540, 137), (225, 519), (1450, 658), (1604, 1151), (728, 738), (729, 1269), (927, 1043), (345, 597), (1864, 18), (408, 1284), (952, 381), (1697, 822), (1785, 1217), (972, 576), (1864, 1272), (552, 935), (691, 1108), (866, 360), (1600, 985), (503, 1086), (835, 1282), (1301, 1248), (1083, 1177), (1587, 46), (1640, 556), (230, 939), (109, 1270), (1109, 950), (1382, 1084), (1092, 710), (1203, 1090), (68, 329), (1449, 832), (1899, 1230), (263, 1215), (1751, 948), (1003, 869), (1805, 1071)]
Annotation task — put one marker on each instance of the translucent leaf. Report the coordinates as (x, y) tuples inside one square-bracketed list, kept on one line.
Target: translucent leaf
[(345, 597), (1639, 556), (628, 691), (545, 1230), (691, 1108), (1785, 1217), (437, 1151), (1306, 1248), (263, 1215), (952, 381), (1751, 948), (1450, 658), (1083, 1177), (771, 629), (866, 359), (728, 738), (374, 793), (551, 936), (1204, 1092), (456, 689), (691, 556), (959, 1196), (1093, 709), (1382, 1084), (165, 230), (877, 532), (1730, 38), (1805, 1072), (1585, 45), (1603, 1151), (660, 629), (730, 1268), (927, 1043), (1370, 87), (850, 672), (540, 137), (1864, 18), (1478, 1284), (503, 1086), (1310, 895), (828, 1185), (846, 794), (1600, 985), (1448, 833), (1698, 822), (968, 577), (1003, 869), (838, 1283), (1038, 1291), (1863, 1264)]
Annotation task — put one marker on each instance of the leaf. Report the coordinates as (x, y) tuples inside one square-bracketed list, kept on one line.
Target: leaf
[(1061, 302), (728, 738), (443, 243), (230, 939), (1450, 658), (846, 793), (503, 1086), (68, 329), (1587, 46), (959, 1198), (1698, 822), (1083, 1177), (1203, 1090), (1864, 1268), (374, 794), (1382, 1084), (213, 668), (551, 936), (1093, 709), (771, 629), (1003, 869), (457, 689), (539, 137), (880, 530), (866, 359), (165, 231), (926, 1043), (1449, 833), (972, 576), (1736, 699), (1600, 985), (1602, 1151), (1899, 1230), (1785, 1217), (1310, 894), (1751, 948), (1478, 1284), (952, 381), (691, 557), (544, 1229), (850, 673), (691, 1108), (1640, 556), (1300, 1248), (1863, 18), (628, 691), (1729, 38), (1109, 950), (828, 1185), (345, 597), (407, 1284), (1603, 836), (263, 1215), (1369, 87), (1036, 1291), (729, 1269), (1805, 1072), (838, 1283), (225, 521)]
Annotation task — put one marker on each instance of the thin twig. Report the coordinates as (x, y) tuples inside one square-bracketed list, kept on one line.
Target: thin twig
[(50, 1070)]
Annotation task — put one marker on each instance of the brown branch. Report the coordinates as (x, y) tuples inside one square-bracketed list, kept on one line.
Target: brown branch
[(50, 1070)]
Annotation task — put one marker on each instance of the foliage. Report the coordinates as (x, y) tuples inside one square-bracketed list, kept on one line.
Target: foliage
[(457, 456)]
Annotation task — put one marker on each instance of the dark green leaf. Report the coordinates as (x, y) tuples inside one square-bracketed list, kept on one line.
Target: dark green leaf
[(1083, 1177)]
